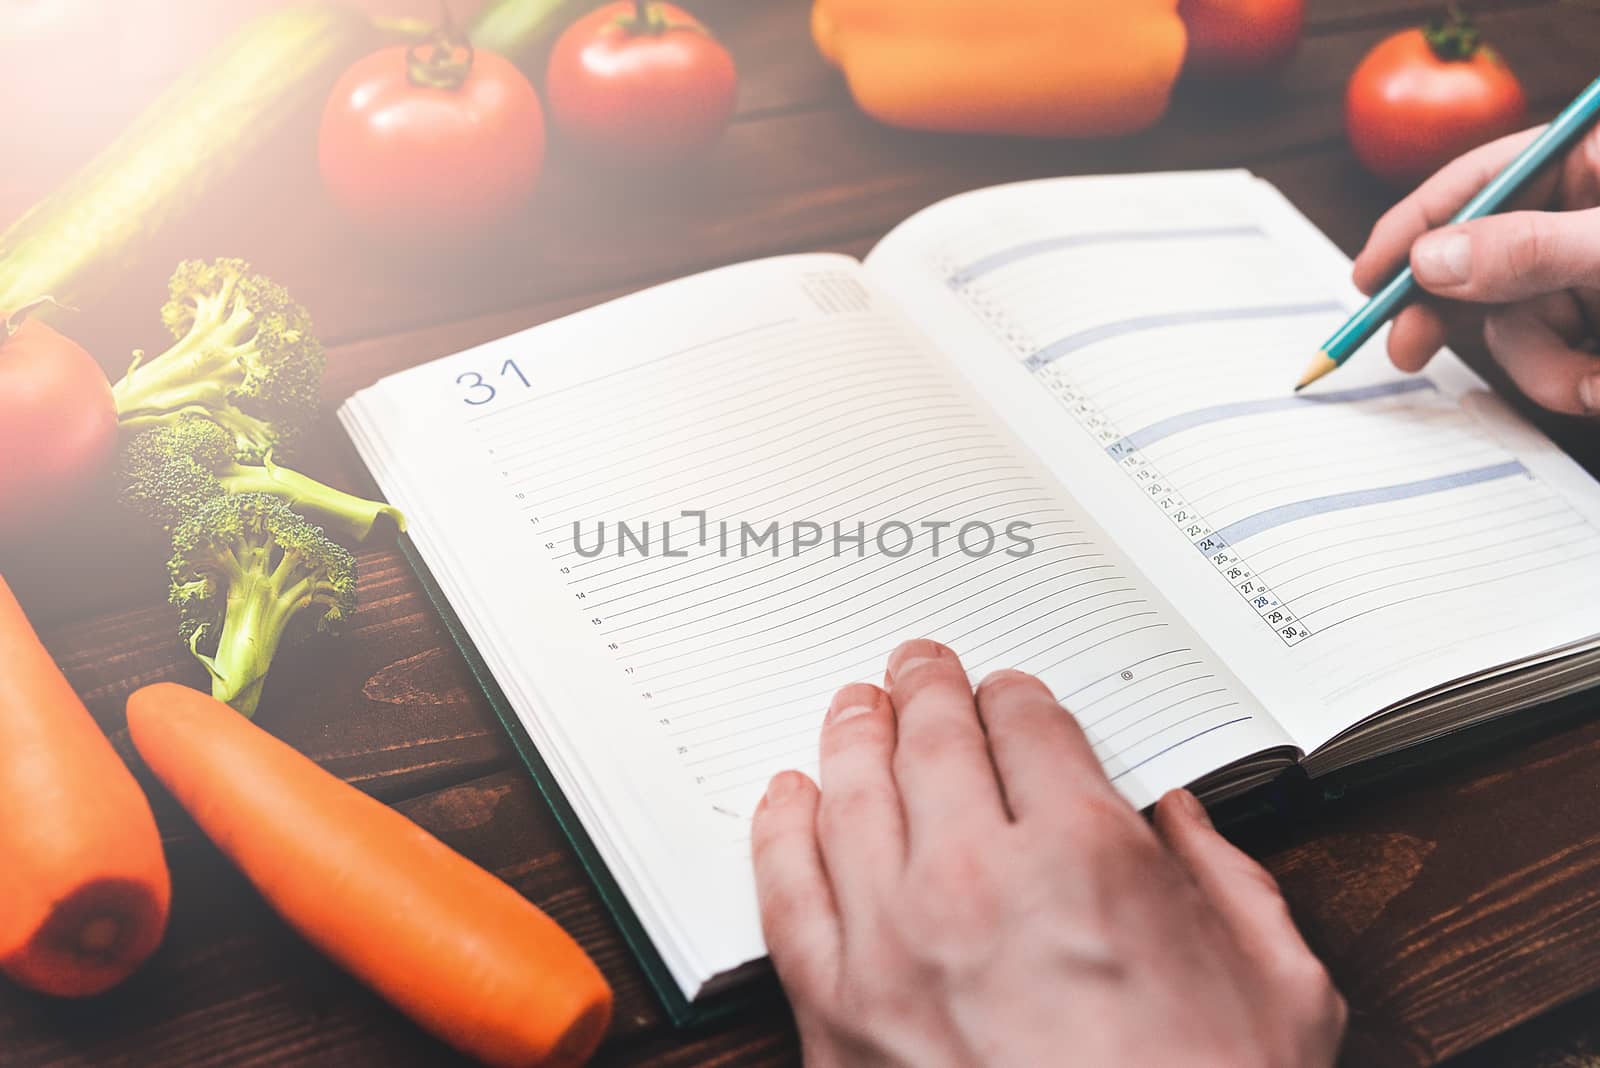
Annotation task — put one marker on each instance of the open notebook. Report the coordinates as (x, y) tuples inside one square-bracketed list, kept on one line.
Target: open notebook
[(1082, 386)]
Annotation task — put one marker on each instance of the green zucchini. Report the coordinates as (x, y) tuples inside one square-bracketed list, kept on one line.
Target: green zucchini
[(198, 134), (524, 31)]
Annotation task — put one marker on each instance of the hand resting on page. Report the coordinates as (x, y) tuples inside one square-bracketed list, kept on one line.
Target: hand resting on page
[(967, 888)]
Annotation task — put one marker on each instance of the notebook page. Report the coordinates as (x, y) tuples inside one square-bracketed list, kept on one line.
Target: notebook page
[(1345, 548), (668, 673)]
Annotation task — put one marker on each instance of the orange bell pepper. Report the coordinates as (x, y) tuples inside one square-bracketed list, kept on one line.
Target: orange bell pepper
[(1043, 68)]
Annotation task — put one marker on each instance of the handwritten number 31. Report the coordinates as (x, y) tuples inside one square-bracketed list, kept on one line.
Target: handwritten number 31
[(479, 391)]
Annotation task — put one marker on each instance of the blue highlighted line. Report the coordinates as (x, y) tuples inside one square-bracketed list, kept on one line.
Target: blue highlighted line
[(1084, 338), (995, 260), (1177, 424), (1175, 745), (1250, 526)]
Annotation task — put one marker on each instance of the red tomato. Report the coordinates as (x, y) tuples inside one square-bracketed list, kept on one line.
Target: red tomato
[(432, 144), (640, 82), (58, 424), (1241, 39), (1423, 97)]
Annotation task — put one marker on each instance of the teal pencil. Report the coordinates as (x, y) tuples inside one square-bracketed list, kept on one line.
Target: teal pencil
[(1562, 133)]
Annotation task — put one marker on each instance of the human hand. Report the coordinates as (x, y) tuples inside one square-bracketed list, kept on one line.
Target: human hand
[(968, 888), (1530, 279)]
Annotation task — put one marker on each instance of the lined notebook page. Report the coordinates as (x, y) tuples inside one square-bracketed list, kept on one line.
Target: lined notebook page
[(778, 393), (1345, 547)]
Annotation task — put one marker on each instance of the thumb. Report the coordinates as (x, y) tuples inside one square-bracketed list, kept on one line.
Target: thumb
[(1506, 258), (1294, 981), (1241, 890)]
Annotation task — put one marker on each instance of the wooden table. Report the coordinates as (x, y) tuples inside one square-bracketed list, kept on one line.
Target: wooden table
[(1450, 910)]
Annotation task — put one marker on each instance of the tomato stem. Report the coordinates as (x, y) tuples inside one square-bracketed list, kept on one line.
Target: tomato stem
[(655, 22), (647, 18), (449, 58), (1454, 38), (14, 320)]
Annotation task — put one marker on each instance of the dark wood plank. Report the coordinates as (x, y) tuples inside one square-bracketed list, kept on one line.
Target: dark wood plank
[(390, 706), (231, 985), (800, 180), (1460, 903), (1564, 1038), (1336, 16), (1437, 941), (782, 179), (772, 192), (131, 52)]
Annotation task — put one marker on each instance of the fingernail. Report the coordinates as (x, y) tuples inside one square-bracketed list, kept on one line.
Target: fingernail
[(852, 701), (1003, 676), (1193, 808), (782, 786), (837, 714), (998, 676), (1589, 394), (908, 665), (910, 655), (1443, 258)]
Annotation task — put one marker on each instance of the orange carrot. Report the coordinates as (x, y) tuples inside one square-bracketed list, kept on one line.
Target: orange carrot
[(447, 943), (84, 888)]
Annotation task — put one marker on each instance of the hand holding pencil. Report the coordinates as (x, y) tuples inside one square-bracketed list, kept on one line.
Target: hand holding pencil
[(1530, 277)]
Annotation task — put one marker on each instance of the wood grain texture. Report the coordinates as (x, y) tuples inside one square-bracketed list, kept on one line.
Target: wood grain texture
[(1450, 910)]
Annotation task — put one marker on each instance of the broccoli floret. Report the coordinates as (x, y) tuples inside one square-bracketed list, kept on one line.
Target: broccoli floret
[(249, 574), (162, 480), (245, 357), (169, 471)]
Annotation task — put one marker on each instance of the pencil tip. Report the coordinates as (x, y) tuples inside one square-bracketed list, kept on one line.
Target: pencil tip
[(1321, 364)]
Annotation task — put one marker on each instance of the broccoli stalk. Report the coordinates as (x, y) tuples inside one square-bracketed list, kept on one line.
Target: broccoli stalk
[(168, 472), (249, 575), (245, 357), (350, 517)]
